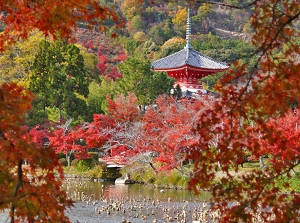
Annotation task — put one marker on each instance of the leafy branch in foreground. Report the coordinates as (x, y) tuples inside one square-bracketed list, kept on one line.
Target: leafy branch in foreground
[(249, 102), (31, 192), (53, 18)]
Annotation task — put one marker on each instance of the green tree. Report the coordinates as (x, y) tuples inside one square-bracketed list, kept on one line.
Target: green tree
[(15, 61), (146, 49), (39, 76), (168, 28), (97, 102), (130, 44), (59, 80), (137, 24), (138, 78), (130, 8), (173, 45), (156, 33), (223, 50), (90, 63)]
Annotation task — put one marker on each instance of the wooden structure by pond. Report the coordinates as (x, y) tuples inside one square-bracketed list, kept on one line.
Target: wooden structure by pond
[(124, 180)]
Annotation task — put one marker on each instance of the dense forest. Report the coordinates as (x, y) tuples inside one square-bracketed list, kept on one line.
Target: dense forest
[(101, 59)]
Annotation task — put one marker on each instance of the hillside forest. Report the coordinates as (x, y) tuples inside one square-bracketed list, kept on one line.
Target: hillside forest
[(82, 86), (150, 32)]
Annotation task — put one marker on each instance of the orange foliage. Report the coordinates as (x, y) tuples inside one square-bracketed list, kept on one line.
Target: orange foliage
[(54, 18), (123, 109), (168, 130), (239, 120), (37, 186), (181, 15)]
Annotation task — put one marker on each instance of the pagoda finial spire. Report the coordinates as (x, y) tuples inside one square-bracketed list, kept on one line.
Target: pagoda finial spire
[(188, 31)]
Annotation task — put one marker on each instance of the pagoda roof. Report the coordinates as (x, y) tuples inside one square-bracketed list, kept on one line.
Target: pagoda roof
[(188, 57)]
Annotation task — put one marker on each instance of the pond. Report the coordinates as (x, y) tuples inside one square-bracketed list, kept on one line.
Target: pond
[(106, 202)]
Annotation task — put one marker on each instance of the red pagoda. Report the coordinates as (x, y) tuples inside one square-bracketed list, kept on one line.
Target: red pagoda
[(188, 65)]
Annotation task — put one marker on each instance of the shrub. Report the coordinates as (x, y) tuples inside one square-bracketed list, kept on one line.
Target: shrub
[(173, 177), (162, 179), (144, 173), (83, 165), (149, 175), (63, 161), (140, 37), (96, 172), (183, 182), (74, 162), (110, 173), (139, 172)]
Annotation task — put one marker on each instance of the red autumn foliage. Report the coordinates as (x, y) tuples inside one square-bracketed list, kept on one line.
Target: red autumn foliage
[(239, 120), (69, 140), (168, 130), (53, 18), (102, 58), (102, 68), (122, 56), (124, 109), (111, 132), (108, 53), (285, 150), (114, 73), (38, 185), (97, 132), (39, 135)]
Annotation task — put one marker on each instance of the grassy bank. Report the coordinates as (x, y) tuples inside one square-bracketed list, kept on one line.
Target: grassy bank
[(145, 174), (91, 169)]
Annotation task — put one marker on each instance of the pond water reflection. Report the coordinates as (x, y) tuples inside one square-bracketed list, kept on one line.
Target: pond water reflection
[(100, 190), (107, 202)]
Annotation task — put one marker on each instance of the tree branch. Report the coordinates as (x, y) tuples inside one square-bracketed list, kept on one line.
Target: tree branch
[(19, 183)]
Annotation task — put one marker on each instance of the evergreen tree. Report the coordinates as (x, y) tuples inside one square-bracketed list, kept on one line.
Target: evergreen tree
[(138, 78), (58, 79)]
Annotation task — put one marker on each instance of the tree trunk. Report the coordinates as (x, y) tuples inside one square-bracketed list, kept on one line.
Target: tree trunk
[(261, 162), (68, 157), (153, 167), (19, 183)]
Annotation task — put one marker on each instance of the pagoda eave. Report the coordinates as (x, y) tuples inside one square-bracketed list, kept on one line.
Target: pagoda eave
[(190, 68), (189, 71)]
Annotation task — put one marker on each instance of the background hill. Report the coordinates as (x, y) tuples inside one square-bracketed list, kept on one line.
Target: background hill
[(155, 29), (151, 31)]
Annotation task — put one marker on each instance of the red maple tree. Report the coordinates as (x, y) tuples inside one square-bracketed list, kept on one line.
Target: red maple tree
[(168, 130), (68, 140), (53, 18), (285, 150), (249, 98), (32, 192), (115, 132)]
